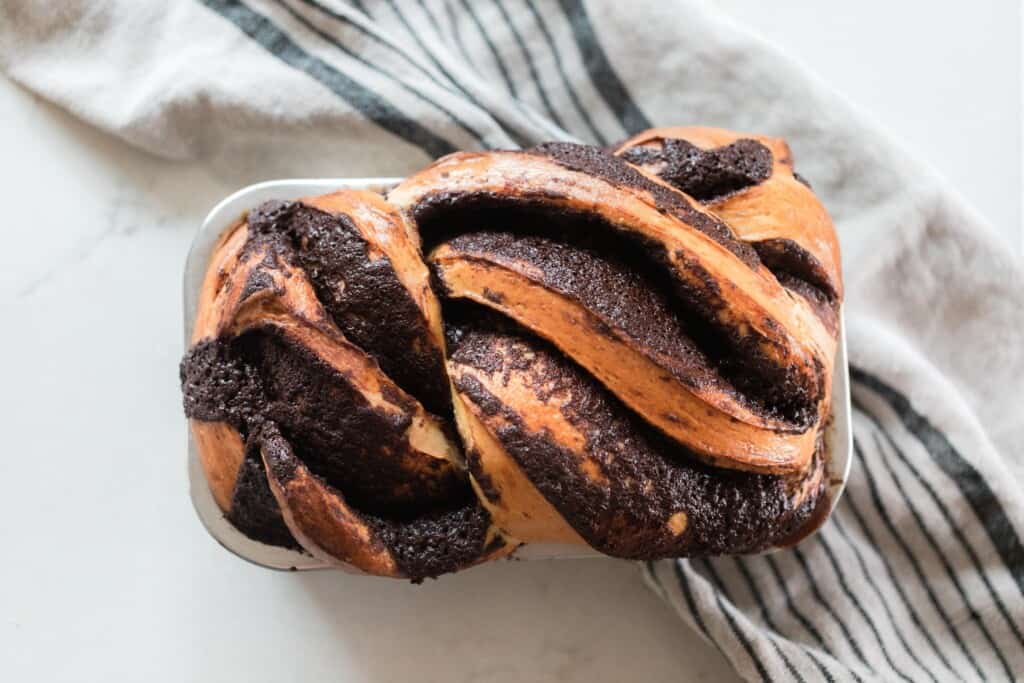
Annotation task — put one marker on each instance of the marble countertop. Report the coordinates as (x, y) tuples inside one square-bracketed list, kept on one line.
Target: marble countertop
[(108, 575)]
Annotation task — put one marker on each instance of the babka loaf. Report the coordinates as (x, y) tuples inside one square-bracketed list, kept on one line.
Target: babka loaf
[(628, 349)]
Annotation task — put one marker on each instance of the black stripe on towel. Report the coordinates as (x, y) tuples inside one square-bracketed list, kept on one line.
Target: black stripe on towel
[(791, 604), (838, 525), (720, 591), (377, 38), (374, 66), (453, 22), (452, 86), (428, 53), (600, 69), (434, 24), (684, 586), (883, 514), (954, 525), (936, 547), (530, 65), (492, 47), (358, 4), (770, 622), (596, 134), (845, 587), (691, 604), (538, 123), (979, 494), (800, 616), (374, 107), (816, 594), (509, 130), (684, 589)]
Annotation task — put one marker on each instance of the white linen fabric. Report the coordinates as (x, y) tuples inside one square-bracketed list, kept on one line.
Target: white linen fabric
[(919, 574)]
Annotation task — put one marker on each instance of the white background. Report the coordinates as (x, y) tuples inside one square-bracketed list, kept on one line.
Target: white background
[(107, 575), (944, 78)]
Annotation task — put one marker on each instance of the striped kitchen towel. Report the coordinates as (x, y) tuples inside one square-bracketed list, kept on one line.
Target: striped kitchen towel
[(919, 575)]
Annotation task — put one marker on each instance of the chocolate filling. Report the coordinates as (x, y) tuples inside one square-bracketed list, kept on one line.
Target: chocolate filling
[(596, 162), (361, 293), (336, 432), (787, 392), (630, 282), (475, 466), (710, 175), (602, 282), (807, 518), (264, 377), (268, 386), (609, 278), (449, 537), (254, 510), (437, 542), (798, 271), (705, 175), (649, 478), (217, 386)]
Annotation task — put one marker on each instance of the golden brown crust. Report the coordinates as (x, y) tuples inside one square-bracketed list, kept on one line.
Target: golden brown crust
[(516, 507), (319, 518)]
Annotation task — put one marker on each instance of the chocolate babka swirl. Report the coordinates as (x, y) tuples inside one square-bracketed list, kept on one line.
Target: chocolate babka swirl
[(630, 351), (750, 183)]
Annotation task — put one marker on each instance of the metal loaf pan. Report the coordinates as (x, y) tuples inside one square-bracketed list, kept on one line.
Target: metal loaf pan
[(838, 434)]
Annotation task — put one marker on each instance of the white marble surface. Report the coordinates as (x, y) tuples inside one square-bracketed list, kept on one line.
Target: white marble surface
[(106, 573)]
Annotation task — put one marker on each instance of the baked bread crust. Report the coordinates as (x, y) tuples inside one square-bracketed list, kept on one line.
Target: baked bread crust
[(629, 349)]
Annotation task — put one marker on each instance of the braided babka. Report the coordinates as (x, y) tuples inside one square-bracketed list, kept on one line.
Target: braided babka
[(629, 349)]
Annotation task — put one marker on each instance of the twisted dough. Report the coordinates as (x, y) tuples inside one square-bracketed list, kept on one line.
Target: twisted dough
[(635, 353)]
